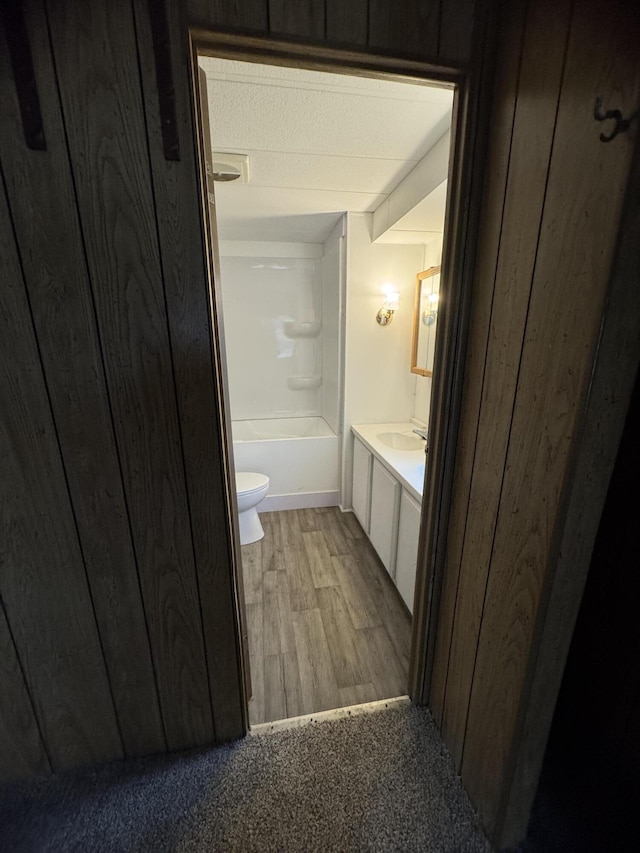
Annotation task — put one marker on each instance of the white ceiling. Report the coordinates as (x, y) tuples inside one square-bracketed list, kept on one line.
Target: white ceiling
[(319, 144)]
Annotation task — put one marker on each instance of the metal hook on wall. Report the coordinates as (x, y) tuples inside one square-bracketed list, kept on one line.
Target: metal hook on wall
[(621, 124)]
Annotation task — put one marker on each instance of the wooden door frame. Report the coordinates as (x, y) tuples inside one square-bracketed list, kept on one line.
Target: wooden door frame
[(464, 195)]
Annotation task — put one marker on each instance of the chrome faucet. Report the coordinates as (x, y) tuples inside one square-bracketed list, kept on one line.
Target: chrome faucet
[(423, 434)]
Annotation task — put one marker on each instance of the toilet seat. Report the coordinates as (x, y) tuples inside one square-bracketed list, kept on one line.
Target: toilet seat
[(248, 482)]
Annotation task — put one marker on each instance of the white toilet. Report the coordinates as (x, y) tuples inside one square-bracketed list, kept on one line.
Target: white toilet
[(251, 488)]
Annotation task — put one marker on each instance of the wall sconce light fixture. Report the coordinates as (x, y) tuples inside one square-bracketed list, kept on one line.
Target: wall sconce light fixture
[(389, 306), (430, 314)]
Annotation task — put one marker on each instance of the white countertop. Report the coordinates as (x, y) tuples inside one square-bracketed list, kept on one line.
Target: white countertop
[(406, 465)]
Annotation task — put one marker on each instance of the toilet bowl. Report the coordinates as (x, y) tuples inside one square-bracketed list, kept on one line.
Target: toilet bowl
[(251, 488)]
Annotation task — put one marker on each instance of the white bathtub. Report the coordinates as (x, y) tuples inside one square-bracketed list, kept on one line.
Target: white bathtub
[(301, 457)]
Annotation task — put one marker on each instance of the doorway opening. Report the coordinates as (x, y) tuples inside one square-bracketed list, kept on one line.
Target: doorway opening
[(327, 196)]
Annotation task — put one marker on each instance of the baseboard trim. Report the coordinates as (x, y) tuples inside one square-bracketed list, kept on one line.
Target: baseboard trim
[(302, 500)]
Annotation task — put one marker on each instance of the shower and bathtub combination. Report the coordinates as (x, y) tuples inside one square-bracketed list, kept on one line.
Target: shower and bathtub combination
[(301, 457), (282, 317)]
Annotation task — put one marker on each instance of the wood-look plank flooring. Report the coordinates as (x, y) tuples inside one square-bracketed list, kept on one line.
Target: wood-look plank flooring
[(327, 627)]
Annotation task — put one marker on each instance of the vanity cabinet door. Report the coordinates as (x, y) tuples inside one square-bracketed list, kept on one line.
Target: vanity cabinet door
[(407, 555), (361, 496), (385, 503)]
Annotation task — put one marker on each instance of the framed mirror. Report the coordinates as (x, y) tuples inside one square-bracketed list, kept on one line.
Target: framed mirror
[(425, 321)]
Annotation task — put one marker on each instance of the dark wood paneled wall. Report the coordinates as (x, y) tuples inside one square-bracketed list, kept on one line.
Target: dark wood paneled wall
[(118, 634), (437, 31), (553, 201), (49, 239)]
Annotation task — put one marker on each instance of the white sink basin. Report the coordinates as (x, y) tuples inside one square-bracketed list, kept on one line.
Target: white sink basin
[(401, 440)]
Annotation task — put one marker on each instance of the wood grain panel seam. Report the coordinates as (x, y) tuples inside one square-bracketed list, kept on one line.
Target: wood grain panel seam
[(473, 464), (540, 623), (152, 188), (63, 466), (504, 793), (103, 367), (477, 429), (474, 105), (165, 89), (43, 743), (475, 444)]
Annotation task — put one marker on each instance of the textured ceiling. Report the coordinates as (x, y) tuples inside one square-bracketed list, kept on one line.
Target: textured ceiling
[(319, 144)]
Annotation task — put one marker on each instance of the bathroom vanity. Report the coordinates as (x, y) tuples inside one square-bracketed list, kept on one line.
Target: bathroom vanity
[(388, 476)]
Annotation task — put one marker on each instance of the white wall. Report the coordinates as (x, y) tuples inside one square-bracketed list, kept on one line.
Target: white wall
[(422, 391), (379, 385), (261, 293)]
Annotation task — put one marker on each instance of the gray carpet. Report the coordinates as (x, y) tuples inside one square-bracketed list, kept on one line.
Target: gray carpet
[(374, 782)]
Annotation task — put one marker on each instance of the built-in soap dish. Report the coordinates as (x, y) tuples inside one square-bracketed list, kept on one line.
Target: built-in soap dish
[(302, 383), (293, 329)]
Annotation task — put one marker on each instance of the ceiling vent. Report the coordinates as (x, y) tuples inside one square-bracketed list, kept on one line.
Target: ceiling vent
[(230, 167)]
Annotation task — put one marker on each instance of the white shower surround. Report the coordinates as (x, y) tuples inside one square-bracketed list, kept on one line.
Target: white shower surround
[(273, 331), (282, 310), (301, 457)]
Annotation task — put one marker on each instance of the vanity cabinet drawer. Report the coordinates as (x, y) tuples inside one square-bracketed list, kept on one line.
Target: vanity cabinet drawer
[(383, 522), (361, 497)]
